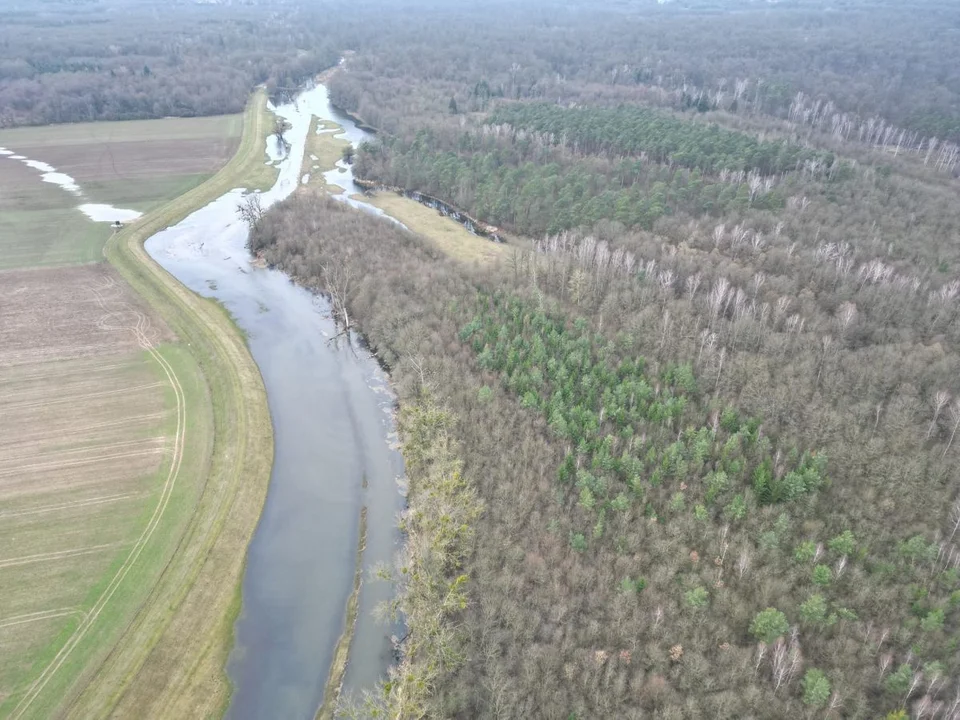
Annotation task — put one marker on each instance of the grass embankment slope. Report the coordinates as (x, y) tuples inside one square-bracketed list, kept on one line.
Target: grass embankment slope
[(170, 661)]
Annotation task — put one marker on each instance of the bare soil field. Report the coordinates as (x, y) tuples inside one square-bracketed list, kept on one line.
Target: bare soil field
[(90, 426), (56, 314), (137, 165), (134, 159), (210, 128)]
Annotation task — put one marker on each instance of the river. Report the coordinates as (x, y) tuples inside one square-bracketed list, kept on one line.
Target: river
[(335, 452)]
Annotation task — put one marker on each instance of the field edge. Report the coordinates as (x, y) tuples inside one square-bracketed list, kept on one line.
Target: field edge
[(171, 659)]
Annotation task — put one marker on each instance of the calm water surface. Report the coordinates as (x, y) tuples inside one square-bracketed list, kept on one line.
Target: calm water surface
[(334, 437)]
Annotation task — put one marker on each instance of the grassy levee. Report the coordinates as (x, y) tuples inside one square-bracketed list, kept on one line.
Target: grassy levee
[(170, 660)]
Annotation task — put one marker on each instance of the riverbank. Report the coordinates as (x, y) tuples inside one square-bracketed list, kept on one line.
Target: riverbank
[(171, 660), (334, 686), (400, 280), (357, 120), (469, 222)]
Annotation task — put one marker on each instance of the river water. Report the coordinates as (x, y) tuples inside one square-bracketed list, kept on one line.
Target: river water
[(335, 442)]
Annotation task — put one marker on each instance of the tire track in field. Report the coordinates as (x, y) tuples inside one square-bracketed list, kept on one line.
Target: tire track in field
[(102, 500), (58, 555), (73, 398), (47, 376), (57, 432), (140, 330), (41, 615), (55, 457), (64, 464)]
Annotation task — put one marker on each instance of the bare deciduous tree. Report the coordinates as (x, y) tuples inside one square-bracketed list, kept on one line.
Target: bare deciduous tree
[(280, 127), (954, 519), (841, 567), (914, 684), (955, 417), (786, 661), (836, 700), (251, 210), (939, 402), (759, 656), (338, 277)]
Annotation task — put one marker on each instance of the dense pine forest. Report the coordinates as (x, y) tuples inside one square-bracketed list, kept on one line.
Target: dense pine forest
[(689, 450)]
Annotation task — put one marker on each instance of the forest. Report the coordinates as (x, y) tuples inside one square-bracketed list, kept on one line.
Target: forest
[(63, 61), (703, 415), (700, 498), (850, 64)]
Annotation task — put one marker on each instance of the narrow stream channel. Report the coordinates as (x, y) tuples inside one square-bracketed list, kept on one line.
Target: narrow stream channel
[(335, 453)]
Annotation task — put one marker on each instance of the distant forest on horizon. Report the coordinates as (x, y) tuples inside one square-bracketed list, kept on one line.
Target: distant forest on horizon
[(124, 59)]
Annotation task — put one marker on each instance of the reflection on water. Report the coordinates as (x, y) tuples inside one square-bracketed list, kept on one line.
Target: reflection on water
[(276, 150), (333, 422)]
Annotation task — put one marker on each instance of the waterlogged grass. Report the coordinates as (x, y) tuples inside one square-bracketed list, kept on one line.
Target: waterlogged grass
[(327, 149), (137, 165)]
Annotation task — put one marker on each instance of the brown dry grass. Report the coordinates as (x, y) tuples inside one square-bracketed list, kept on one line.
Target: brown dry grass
[(446, 234)]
